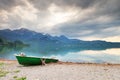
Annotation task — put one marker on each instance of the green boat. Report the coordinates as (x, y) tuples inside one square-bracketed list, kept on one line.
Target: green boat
[(25, 60)]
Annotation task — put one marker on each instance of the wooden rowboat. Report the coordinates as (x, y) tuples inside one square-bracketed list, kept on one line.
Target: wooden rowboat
[(25, 60)]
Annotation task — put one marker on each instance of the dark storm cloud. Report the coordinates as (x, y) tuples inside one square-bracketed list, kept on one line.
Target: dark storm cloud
[(9, 4), (103, 7), (43, 4), (89, 29), (80, 28), (109, 7)]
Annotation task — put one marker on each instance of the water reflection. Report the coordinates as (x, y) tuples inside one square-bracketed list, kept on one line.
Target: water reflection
[(109, 56), (71, 54), (7, 52)]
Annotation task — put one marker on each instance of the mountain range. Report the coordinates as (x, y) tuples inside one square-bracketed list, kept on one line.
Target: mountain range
[(45, 40)]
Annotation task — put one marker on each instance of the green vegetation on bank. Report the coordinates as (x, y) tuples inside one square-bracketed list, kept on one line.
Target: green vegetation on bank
[(1, 64), (6, 45), (17, 43), (16, 71), (2, 71), (19, 78)]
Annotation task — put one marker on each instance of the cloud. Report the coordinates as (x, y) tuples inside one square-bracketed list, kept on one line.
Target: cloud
[(82, 19), (103, 7), (111, 7), (40, 4), (9, 4)]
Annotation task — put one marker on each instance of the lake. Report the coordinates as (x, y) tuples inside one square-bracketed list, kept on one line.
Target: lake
[(73, 55)]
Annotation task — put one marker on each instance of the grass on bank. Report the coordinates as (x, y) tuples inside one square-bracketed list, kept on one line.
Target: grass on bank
[(19, 78), (16, 71), (2, 72), (1, 65)]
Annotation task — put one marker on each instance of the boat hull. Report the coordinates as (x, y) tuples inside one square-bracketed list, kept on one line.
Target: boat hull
[(33, 60)]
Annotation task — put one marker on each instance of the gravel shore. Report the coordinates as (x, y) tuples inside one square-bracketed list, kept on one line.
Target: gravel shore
[(61, 71)]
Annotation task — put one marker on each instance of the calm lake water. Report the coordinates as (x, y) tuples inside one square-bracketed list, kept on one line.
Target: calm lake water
[(95, 56)]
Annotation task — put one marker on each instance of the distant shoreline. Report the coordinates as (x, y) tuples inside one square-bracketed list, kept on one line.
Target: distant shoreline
[(61, 62)]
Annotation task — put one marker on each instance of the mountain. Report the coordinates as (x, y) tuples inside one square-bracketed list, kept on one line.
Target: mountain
[(27, 35), (20, 34), (45, 40)]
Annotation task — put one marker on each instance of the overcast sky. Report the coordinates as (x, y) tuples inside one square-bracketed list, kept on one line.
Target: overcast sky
[(81, 19)]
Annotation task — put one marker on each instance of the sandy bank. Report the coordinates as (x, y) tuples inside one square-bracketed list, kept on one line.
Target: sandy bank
[(62, 71)]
